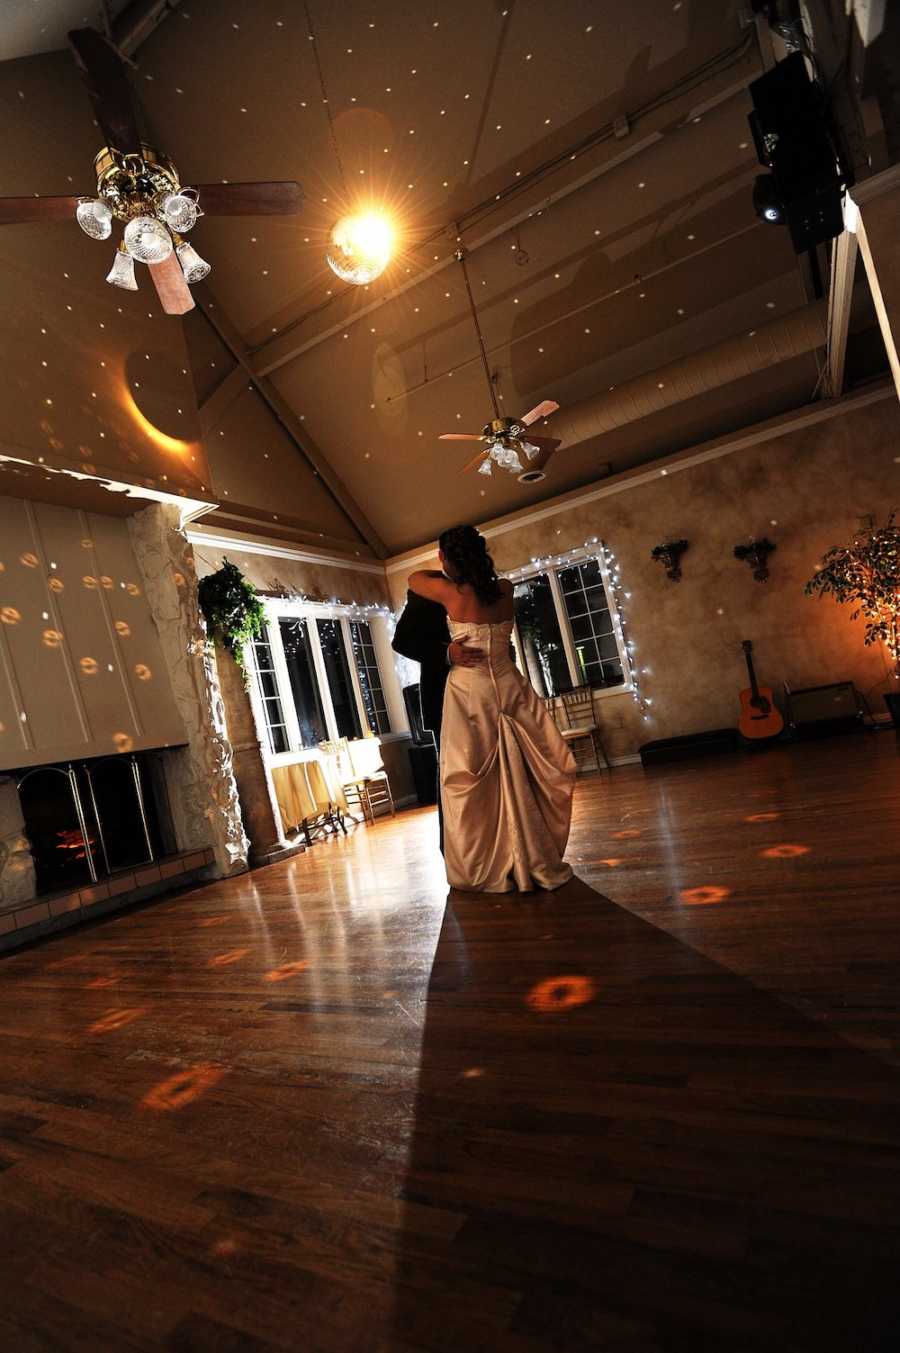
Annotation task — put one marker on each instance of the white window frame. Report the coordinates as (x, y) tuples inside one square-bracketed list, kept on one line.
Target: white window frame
[(278, 609), (551, 568)]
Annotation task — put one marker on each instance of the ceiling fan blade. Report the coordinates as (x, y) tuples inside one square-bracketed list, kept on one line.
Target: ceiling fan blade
[(476, 461), (251, 199), (460, 437), (542, 410), (171, 288), (103, 71), (17, 210)]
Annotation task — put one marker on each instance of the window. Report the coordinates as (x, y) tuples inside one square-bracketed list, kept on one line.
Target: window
[(566, 634), (317, 676), (593, 633), (267, 685), (540, 638), (369, 676), (301, 671), (340, 682)]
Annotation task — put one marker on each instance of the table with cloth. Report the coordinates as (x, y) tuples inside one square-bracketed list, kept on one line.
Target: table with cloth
[(308, 791)]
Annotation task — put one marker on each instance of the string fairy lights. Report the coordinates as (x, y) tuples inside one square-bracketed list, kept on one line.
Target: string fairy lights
[(616, 595)]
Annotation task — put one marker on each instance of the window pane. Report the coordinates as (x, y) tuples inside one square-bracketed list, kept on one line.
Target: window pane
[(267, 683), (268, 690), (369, 676), (278, 739), (542, 646), (339, 682), (587, 607), (304, 687)]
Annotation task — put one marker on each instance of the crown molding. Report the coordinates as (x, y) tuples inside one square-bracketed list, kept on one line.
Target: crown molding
[(227, 540)]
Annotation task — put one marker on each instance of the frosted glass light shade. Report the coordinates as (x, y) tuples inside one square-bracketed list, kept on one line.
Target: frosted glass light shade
[(193, 266), (147, 240), (95, 217), (360, 247), (180, 211), (121, 274)]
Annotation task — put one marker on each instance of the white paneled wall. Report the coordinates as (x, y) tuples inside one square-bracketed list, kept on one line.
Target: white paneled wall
[(81, 669)]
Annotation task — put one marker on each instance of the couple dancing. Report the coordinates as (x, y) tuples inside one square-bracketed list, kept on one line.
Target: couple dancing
[(506, 775)]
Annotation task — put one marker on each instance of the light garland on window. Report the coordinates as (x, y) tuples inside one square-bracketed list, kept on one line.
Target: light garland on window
[(609, 567), (348, 610)]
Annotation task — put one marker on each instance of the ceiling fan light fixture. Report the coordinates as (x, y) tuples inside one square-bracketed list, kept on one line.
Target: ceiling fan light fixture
[(193, 266), (486, 467), (148, 241), (360, 247), (121, 274), (95, 217)]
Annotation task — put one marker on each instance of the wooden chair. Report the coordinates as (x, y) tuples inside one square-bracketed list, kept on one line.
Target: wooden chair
[(366, 787), (573, 713)]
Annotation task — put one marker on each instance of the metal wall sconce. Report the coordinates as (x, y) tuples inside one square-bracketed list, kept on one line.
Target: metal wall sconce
[(670, 554), (756, 555)]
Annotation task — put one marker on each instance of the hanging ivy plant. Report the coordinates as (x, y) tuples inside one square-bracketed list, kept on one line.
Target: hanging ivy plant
[(233, 612)]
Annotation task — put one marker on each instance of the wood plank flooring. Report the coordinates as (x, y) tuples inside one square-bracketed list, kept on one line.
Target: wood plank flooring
[(316, 1109)]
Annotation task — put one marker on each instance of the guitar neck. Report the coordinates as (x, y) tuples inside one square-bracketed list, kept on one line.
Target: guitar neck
[(753, 686)]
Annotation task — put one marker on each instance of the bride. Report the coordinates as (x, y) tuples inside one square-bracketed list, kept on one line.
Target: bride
[(506, 774)]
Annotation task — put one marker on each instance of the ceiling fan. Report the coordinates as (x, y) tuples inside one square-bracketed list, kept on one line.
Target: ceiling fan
[(505, 442), (140, 187)]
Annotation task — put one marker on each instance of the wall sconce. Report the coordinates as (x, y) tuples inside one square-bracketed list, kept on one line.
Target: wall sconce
[(670, 554), (757, 556)]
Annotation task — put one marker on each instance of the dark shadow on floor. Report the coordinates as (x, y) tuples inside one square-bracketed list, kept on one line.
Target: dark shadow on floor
[(620, 1145)]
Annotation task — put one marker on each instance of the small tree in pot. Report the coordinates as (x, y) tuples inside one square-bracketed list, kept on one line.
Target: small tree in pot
[(866, 573)]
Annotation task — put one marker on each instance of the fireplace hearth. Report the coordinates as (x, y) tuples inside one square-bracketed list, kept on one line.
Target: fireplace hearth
[(87, 820)]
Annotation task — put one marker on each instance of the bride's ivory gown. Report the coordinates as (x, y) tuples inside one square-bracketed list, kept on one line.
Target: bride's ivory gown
[(506, 774)]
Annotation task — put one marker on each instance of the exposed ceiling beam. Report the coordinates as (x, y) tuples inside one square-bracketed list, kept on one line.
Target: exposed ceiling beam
[(840, 298), (607, 152), (290, 422), (219, 401)]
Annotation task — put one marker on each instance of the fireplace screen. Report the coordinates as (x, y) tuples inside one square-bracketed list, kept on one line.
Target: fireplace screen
[(88, 819)]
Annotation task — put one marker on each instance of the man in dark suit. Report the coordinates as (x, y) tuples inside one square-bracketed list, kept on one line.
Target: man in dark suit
[(423, 635)]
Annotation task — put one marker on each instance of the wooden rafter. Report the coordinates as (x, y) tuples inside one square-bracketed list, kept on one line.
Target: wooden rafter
[(312, 454)]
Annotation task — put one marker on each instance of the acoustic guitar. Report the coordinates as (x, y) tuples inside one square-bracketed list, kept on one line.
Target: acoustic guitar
[(759, 719)]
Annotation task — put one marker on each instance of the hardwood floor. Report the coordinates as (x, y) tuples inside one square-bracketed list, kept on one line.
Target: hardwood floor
[(312, 1109)]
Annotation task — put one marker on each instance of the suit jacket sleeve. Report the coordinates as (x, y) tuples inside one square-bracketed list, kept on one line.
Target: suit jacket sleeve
[(411, 639)]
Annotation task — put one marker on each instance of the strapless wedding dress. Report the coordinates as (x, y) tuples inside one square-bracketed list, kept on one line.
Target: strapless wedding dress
[(507, 776)]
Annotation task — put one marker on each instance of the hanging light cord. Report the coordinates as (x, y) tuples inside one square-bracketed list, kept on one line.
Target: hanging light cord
[(460, 255), (331, 131)]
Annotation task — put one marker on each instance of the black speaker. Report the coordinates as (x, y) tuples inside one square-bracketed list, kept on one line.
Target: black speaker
[(424, 765), (819, 711), (795, 139), (413, 702)]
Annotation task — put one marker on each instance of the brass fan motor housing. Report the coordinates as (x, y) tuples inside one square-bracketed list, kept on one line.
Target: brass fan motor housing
[(131, 184), (506, 431)]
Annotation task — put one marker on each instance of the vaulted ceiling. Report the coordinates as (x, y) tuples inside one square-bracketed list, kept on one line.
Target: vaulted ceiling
[(594, 162)]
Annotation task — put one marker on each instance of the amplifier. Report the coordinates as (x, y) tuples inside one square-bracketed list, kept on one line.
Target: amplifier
[(424, 765), (818, 711)]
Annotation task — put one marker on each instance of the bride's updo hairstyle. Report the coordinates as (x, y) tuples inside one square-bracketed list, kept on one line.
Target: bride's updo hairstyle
[(466, 552)]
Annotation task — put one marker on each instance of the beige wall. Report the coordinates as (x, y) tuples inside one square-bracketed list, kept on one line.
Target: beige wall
[(79, 651), (806, 491), (317, 581)]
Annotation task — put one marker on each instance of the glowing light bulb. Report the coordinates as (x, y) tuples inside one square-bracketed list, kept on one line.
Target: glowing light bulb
[(360, 247)]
